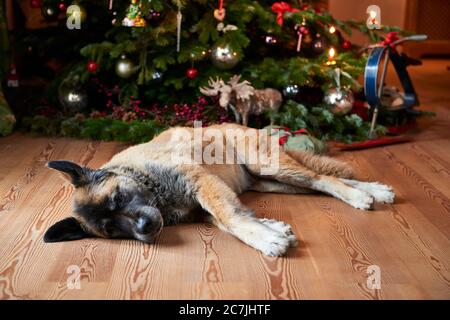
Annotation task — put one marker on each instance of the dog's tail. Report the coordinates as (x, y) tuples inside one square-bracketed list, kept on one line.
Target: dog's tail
[(322, 164)]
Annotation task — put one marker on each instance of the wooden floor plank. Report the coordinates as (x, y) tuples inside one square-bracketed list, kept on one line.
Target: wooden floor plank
[(409, 240)]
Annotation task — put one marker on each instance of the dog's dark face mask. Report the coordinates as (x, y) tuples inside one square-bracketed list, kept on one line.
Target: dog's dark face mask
[(107, 205)]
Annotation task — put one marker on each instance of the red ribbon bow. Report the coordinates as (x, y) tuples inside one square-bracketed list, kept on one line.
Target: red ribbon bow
[(281, 8), (282, 140), (390, 38)]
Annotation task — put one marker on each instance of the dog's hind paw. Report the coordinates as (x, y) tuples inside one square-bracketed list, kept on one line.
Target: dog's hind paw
[(283, 228), (381, 192)]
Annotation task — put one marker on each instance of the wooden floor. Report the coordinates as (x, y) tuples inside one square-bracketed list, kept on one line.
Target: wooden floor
[(409, 241)]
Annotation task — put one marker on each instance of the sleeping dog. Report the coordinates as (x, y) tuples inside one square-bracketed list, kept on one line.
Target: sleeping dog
[(154, 184)]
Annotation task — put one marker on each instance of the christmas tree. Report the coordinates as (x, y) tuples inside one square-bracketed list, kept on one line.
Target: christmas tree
[(136, 66)]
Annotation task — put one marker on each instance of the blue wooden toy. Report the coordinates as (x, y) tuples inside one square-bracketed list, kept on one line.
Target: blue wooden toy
[(375, 74)]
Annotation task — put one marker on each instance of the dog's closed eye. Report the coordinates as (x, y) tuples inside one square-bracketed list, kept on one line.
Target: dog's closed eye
[(119, 200), (107, 227)]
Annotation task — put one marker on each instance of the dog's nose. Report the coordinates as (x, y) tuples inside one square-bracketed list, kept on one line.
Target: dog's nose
[(145, 225)]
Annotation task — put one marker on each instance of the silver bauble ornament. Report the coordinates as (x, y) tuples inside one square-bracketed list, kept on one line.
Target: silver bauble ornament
[(339, 100), (223, 57), (72, 95), (125, 67), (290, 91)]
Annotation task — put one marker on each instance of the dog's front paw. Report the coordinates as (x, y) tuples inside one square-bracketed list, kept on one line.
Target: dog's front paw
[(263, 236), (273, 244), (361, 200), (381, 192), (282, 228)]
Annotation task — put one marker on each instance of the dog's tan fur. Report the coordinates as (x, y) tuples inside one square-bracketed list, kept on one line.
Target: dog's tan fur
[(216, 186)]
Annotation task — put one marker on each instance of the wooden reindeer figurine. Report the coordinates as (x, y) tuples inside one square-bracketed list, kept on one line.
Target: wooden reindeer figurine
[(242, 98)]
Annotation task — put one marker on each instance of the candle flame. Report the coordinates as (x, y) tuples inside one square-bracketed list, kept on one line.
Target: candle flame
[(331, 52)]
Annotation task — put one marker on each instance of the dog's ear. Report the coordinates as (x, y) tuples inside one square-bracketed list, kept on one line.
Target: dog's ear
[(65, 230), (71, 171)]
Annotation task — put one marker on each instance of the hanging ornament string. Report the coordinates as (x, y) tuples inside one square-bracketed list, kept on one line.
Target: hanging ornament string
[(110, 4), (179, 17), (337, 78)]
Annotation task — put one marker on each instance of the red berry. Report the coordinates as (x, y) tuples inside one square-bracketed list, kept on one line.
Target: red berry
[(92, 66), (346, 44), (191, 73)]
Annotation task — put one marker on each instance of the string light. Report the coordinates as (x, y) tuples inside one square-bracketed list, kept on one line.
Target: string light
[(331, 54), (332, 29)]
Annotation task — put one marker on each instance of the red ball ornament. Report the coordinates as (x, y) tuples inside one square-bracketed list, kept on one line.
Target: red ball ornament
[(192, 73), (92, 66), (346, 44), (62, 6), (35, 4)]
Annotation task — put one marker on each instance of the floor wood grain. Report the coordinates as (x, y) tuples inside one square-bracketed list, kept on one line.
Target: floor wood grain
[(409, 241)]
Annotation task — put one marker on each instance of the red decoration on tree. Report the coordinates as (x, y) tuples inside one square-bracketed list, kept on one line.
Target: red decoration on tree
[(281, 8), (62, 7), (192, 73), (304, 30), (219, 14), (346, 44), (390, 38), (35, 4), (92, 66)]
